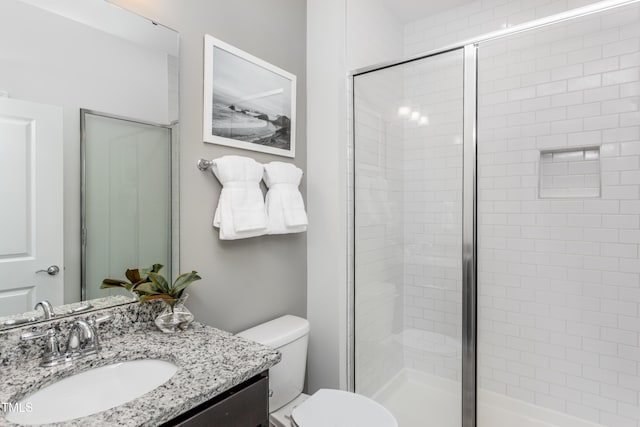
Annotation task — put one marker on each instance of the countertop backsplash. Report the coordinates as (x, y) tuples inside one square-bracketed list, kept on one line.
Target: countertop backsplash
[(127, 318)]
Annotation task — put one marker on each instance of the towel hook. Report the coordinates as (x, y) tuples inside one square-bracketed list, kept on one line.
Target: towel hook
[(204, 164)]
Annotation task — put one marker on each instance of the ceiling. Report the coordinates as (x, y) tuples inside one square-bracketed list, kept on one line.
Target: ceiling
[(413, 10)]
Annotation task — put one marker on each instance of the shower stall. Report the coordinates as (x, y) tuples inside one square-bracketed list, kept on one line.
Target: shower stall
[(495, 227)]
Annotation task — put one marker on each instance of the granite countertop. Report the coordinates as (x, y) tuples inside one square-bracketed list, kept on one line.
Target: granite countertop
[(210, 362), (64, 310)]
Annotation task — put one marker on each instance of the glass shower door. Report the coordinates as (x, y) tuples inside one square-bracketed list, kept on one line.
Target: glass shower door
[(408, 132)]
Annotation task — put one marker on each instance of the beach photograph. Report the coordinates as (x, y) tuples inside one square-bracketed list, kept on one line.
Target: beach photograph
[(249, 103)]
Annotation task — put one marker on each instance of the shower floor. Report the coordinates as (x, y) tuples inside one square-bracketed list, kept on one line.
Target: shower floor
[(422, 400)]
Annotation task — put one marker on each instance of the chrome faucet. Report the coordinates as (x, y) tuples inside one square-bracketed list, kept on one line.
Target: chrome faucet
[(83, 337), (47, 308), (82, 341)]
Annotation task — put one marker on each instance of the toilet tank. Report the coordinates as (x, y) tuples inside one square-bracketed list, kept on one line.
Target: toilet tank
[(289, 335)]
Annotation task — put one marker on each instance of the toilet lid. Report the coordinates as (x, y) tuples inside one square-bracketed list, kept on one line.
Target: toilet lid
[(336, 408)]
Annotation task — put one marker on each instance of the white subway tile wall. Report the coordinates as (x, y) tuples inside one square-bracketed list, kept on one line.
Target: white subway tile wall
[(559, 277)]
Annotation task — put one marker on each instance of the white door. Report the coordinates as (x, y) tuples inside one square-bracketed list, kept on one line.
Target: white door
[(31, 218)]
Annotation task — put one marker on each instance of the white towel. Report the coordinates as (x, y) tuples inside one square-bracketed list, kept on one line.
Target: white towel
[(285, 207), (241, 211)]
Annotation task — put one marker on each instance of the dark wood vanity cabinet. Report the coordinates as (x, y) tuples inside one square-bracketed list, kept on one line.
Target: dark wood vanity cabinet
[(245, 405)]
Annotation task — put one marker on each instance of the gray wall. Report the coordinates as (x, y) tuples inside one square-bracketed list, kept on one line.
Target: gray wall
[(249, 281)]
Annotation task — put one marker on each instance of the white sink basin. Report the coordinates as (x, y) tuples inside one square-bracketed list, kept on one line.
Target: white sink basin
[(93, 391)]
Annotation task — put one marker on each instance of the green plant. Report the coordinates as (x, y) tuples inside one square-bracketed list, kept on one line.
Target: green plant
[(149, 284), (159, 288), (136, 278)]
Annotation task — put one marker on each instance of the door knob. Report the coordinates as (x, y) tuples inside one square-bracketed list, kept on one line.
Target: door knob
[(51, 270)]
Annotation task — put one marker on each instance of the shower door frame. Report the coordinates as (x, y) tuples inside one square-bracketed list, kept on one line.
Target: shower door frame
[(469, 191)]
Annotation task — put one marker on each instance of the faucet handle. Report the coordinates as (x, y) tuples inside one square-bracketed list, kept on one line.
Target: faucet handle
[(27, 336), (101, 319), (51, 355)]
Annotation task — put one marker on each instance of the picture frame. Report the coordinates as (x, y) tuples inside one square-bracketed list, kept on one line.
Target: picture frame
[(248, 102)]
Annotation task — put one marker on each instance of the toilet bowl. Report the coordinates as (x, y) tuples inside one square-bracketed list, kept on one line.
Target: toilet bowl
[(288, 406)]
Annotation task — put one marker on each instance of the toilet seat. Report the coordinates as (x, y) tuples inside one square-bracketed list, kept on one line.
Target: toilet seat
[(338, 408)]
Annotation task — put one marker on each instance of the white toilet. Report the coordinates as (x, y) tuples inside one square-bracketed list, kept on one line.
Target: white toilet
[(288, 406)]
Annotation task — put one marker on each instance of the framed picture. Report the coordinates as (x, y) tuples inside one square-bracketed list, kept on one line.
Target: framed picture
[(248, 103)]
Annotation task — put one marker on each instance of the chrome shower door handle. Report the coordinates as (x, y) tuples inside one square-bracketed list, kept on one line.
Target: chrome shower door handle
[(52, 270)]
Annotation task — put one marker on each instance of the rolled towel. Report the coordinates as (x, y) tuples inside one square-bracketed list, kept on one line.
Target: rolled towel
[(241, 210), (285, 207)]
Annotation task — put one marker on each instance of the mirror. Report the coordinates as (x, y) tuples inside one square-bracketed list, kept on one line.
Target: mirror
[(126, 198), (88, 129)]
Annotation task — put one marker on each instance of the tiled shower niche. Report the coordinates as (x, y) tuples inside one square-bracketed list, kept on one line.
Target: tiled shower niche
[(573, 173)]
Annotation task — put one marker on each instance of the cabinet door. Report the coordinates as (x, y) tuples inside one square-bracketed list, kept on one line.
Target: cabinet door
[(246, 405)]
